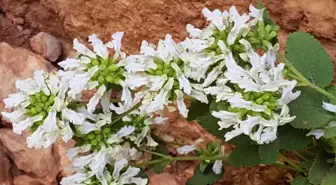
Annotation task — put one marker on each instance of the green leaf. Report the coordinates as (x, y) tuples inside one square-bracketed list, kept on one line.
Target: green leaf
[(319, 168), (306, 164), (332, 89), (206, 178), (203, 166), (330, 178), (330, 132), (292, 139), (197, 109), (245, 154), (310, 58), (308, 110), (209, 123), (268, 152), (300, 181)]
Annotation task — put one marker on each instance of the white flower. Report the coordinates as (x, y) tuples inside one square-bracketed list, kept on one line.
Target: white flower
[(82, 49), (123, 132), (317, 133), (329, 107), (127, 177), (76, 179), (180, 103), (240, 25), (161, 99), (80, 82), (91, 106), (221, 90), (214, 17), (257, 14), (217, 167), (237, 101), (99, 47), (186, 149)]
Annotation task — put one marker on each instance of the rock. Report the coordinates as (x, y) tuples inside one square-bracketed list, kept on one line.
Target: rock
[(18, 20), (5, 176), (162, 179), (26, 180), (41, 163), (46, 45), (17, 63), (64, 162)]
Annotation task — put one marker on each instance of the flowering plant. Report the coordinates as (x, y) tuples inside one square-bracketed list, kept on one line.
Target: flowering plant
[(229, 76)]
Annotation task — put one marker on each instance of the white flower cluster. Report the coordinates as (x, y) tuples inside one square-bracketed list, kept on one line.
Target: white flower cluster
[(233, 60), (224, 58)]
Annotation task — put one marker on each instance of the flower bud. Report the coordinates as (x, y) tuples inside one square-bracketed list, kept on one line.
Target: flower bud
[(112, 68), (94, 62)]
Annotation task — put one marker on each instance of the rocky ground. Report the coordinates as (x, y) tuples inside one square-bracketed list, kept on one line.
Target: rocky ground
[(36, 34)]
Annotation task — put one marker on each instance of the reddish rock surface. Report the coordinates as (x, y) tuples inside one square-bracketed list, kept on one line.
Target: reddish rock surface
[(152, 19), (46, 45)]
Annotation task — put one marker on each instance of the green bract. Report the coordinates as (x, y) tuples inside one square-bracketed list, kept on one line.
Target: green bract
[(109, 73)]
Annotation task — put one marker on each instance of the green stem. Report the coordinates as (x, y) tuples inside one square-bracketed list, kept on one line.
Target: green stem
[(115, 100), (295, 166), (299, 155), (188, 158), (126, 113), (300, 78), (282, 165)]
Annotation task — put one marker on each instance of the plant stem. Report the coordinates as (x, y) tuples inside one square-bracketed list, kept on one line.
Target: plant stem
[(126, 113), (282, 165), (299, 77), (295, 166), (299, 155), (188, 158)]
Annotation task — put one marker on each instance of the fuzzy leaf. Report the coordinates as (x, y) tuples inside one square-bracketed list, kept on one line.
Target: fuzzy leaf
[(206, 178), (268, 152), (319, 168), (330, 132), (330, 178), (209, 123), (197, 109), (332, 89), (310, 58), (239, 158), (292, 139), (308, 110), (300, 181)]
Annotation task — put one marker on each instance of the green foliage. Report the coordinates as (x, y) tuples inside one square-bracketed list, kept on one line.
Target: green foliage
[(291, 138), (268, 152), (211, 150), (332, 89), (308, 110), (209, 123), (310, 58), (206, 178), (239, 157), (300, 181), (197, 109), (330, 132), (288, 139), (330, 178), (319, 168)]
